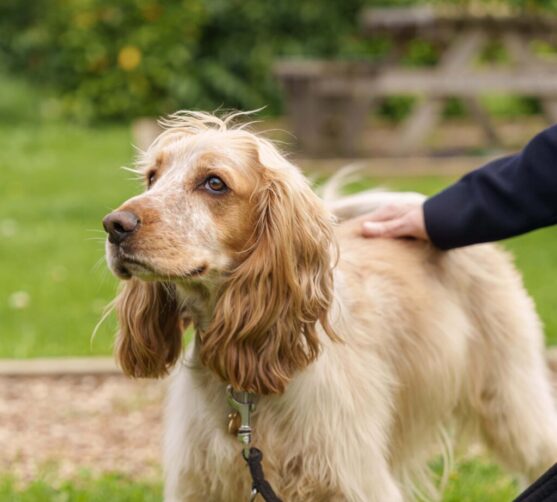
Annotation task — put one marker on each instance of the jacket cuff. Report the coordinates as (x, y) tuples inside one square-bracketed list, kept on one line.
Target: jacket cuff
[(435, 214)]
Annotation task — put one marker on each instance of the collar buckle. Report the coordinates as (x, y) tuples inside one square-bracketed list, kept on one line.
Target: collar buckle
[(243, 404)]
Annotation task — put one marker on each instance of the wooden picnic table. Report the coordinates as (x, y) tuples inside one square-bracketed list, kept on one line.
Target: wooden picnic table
[(329, 101)]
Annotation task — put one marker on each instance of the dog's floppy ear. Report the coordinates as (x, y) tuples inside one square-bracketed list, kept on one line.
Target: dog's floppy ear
[(150, 328), (264, 324)]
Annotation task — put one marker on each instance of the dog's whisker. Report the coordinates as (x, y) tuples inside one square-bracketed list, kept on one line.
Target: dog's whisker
[(98, 263), (105, 315)]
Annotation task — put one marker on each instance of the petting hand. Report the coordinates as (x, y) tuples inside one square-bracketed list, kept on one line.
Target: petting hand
[(404, 219)]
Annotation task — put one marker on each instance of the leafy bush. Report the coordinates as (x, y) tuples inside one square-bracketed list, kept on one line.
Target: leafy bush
[(106, 59), (116, 60)]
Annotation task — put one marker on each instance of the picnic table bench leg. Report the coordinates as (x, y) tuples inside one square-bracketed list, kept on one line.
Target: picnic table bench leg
[(341, 123), (302, 108), (418, 126), (481, 116), (324, 124), (519, 48), (550, 110), (427, 114)]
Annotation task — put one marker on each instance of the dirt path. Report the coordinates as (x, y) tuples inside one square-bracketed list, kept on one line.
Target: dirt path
[(66, 424), (61, 425)]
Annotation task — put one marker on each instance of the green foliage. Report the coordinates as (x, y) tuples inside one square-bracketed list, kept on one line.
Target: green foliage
[(116, 60), (110, 59), (106, 59), (19, 101)]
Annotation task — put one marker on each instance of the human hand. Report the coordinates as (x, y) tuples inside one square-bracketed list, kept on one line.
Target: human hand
[(397, 219)]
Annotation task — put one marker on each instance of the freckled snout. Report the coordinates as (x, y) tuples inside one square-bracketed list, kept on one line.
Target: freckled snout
[(119, 225)]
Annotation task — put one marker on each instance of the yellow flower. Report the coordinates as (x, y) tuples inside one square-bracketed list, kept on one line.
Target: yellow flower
[(129, 57)]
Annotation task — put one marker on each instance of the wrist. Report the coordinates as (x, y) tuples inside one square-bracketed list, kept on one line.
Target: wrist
[(418, 223)]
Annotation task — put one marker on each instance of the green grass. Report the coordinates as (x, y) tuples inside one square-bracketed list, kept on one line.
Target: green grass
[(472, 481), (477, 480), (57, 182), (107, 488)]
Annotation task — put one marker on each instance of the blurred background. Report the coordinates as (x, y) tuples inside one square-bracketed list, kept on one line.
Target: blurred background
[(413, 93)]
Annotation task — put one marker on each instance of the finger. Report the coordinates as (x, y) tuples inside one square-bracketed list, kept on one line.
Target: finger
[(383, 213), (392, 228)]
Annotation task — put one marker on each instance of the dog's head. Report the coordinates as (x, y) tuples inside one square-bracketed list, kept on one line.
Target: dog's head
[(224, 216)]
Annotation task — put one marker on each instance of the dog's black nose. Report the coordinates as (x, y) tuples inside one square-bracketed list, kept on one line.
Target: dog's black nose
[(119, 225)]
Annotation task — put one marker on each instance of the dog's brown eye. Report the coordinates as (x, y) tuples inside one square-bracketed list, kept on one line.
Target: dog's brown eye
[(215, 185), (151, 178)]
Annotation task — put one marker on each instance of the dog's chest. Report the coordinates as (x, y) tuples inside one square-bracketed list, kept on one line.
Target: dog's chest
[(217, 467)]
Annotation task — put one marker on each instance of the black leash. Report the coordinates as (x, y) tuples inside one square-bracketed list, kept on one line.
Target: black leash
[(543, 490), (260, 485)]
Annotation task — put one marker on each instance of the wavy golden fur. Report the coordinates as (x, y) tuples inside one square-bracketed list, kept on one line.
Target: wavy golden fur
[(264, 324), (363, 352), (150, 337)]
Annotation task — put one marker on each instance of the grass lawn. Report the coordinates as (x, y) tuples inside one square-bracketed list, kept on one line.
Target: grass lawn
[(57, 183), (472, 481), (108, 488)]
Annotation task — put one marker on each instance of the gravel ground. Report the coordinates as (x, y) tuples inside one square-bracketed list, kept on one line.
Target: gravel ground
[(62, 425), (58, 426)]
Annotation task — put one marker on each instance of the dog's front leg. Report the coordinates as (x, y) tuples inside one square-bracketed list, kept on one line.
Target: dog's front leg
[(363, 481)]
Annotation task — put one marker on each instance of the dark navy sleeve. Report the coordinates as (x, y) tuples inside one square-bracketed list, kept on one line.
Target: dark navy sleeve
[(507, 197)]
